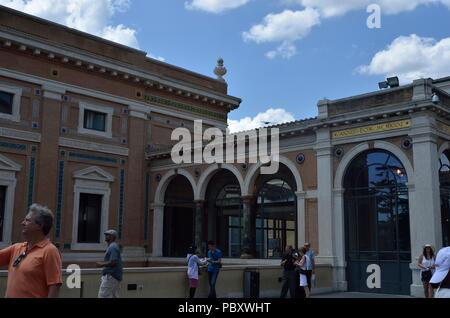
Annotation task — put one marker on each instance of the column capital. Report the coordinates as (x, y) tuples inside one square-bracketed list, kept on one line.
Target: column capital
[(247, 198), (324, 150), (339, 191), (155, 206), (54, 92), (199, 203), (300, 194), (424, 137)]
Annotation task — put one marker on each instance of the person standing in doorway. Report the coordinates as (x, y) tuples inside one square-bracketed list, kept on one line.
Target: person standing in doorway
[(35, 266), (112, 268), (214, 266), (310, 266), (289, 276), (426, 265)]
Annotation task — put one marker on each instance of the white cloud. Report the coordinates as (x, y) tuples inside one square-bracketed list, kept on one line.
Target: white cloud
[(286, 50), (214, 6), (285, 26), (330, 8), (290, 26), (269, 117), (121, 34), (411, 57), (85, 15)]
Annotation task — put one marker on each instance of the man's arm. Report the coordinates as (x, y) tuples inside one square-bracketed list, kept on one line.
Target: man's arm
[(113, 258), (112, 263), (53, 291)]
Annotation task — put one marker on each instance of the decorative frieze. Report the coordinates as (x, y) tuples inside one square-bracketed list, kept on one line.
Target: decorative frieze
[(162, 101), (85, 156)]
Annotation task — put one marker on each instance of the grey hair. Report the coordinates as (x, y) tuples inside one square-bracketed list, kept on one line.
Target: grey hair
[(42, 216)]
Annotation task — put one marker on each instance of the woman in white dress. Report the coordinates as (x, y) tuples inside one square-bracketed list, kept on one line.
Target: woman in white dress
[(302, 262), (426, 265)]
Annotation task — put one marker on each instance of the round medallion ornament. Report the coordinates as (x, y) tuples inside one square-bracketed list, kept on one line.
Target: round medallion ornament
[(407, 143), (158, 177), (300, 158), (339, 152)]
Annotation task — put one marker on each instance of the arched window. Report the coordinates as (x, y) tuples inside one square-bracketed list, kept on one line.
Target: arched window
[(275, 218), (377, 220), (444, 179)]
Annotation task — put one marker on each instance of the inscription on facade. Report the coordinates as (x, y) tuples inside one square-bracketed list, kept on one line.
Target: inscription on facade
[(443, 127), (394, 125)]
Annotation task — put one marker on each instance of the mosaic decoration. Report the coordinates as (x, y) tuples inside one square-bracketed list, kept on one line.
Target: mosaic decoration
[(147, 191), (59, 198), (190, 108), (121, 200), (13, 146), (31, 180), (85, 156)]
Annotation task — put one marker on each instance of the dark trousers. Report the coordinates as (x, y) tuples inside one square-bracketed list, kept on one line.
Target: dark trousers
[(308, 278), (212, 277), (288, 283)]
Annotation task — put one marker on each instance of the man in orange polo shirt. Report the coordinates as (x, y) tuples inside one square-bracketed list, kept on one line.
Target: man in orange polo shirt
[(34, 267)]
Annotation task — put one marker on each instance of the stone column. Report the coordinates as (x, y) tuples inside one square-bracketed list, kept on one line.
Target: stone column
[(340, 281), (199, 219), (324, 155), (248, 228), (158, 228), (424, 194), (301, 218)]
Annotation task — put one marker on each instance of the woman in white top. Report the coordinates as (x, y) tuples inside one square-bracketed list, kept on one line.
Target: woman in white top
[(426, 265), (302, 262), (193, 263)]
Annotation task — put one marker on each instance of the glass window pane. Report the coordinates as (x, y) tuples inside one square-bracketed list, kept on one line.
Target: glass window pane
[(94, 120), (6, 103), (89, 218)]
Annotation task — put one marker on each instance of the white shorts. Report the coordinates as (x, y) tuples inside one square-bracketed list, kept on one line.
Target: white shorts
[(109, 287), (303, 280)]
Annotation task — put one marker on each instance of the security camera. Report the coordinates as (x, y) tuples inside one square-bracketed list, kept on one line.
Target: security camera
[(435, 99)]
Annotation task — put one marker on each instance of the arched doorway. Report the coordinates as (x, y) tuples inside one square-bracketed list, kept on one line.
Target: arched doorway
[(275, 218), (444, 180), (276, 212), (377, 230), (224, 212), (178, 231)]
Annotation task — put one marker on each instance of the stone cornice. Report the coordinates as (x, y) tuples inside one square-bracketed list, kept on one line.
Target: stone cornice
[(84, 60), (86, 145)]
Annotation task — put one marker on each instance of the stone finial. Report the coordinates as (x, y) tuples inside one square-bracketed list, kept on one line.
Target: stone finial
[(220, 70)]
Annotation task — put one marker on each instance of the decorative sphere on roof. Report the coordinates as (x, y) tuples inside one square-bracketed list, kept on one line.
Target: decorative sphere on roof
[(220, 70)]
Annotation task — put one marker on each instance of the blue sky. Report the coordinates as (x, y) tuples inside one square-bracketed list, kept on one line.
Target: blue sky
[(323, 45)]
